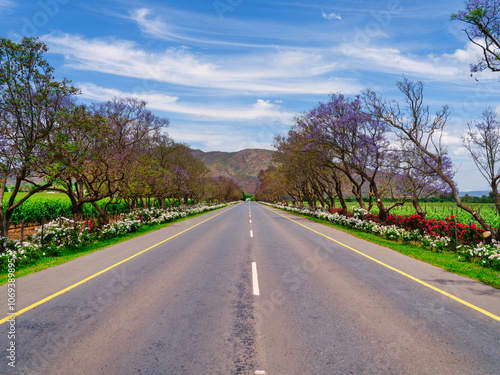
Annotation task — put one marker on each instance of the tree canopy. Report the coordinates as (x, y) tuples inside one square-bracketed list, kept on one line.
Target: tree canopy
[(483, 20), (114, 150)]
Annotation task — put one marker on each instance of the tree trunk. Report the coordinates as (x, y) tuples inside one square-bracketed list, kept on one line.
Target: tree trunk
[(356, 190), (4, 228), (7, 211), (310, 201), (370, 202), (383, 212), (5, 225), (331, 200), (418, 208), (341, 200), (78, 211), (494, 189), (338, 186), (100, 211)]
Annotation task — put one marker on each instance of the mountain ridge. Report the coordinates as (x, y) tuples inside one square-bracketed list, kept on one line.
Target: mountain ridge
[(242, 166)]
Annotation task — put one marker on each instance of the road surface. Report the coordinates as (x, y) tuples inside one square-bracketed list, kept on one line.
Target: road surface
[(250, 290)]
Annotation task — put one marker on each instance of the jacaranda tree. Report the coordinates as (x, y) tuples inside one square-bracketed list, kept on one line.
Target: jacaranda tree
[(413, 123), (483, 143), (32, 107), (483, 20), (356, 141), (109, 139)]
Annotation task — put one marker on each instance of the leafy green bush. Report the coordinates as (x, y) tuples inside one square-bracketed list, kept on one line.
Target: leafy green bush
[(36, 209)]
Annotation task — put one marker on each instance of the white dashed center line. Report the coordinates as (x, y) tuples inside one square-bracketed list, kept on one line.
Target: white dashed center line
[(255, 280)]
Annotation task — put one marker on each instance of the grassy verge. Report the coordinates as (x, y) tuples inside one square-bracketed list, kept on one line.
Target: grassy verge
[(445, 260), (45, 263)]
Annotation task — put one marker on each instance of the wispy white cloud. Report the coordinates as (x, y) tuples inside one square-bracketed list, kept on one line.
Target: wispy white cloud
[(449, 68), (184, 27), (277, 71), (463, 58), (444, 67), (263, 120), (263, 72), (452, 139), (222, 137), (269, 72), (7, 7), (262, 111), (156, 27), (331, 16)]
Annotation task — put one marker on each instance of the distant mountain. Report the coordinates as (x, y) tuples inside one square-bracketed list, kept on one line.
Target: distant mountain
[(242, 166), (476, 193)]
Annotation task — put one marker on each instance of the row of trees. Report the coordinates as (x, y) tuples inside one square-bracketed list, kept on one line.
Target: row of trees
[(368, 145), (391, 151), (113, 150), (356, 146)]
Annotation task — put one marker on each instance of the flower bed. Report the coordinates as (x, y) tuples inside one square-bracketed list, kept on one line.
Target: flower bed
[(449, 227), (432, 234), (65, 234)]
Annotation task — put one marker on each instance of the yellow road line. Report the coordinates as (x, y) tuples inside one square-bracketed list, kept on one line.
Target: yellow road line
[(455, 298), (22, 311)]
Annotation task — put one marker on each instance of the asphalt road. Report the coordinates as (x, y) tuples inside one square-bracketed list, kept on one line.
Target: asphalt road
[(246, 290)]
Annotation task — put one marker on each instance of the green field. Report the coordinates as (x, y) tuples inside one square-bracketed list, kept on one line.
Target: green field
[(48, 206), (441, 211), (45, 195)]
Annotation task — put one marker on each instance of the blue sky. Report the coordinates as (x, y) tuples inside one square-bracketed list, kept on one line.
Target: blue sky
[(230, 74)]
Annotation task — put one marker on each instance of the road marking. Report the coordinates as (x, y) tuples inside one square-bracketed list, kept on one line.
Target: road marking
[(250, 221), (255, 280), (251, 233), (30, 307), (260, 372), (455, 298)]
